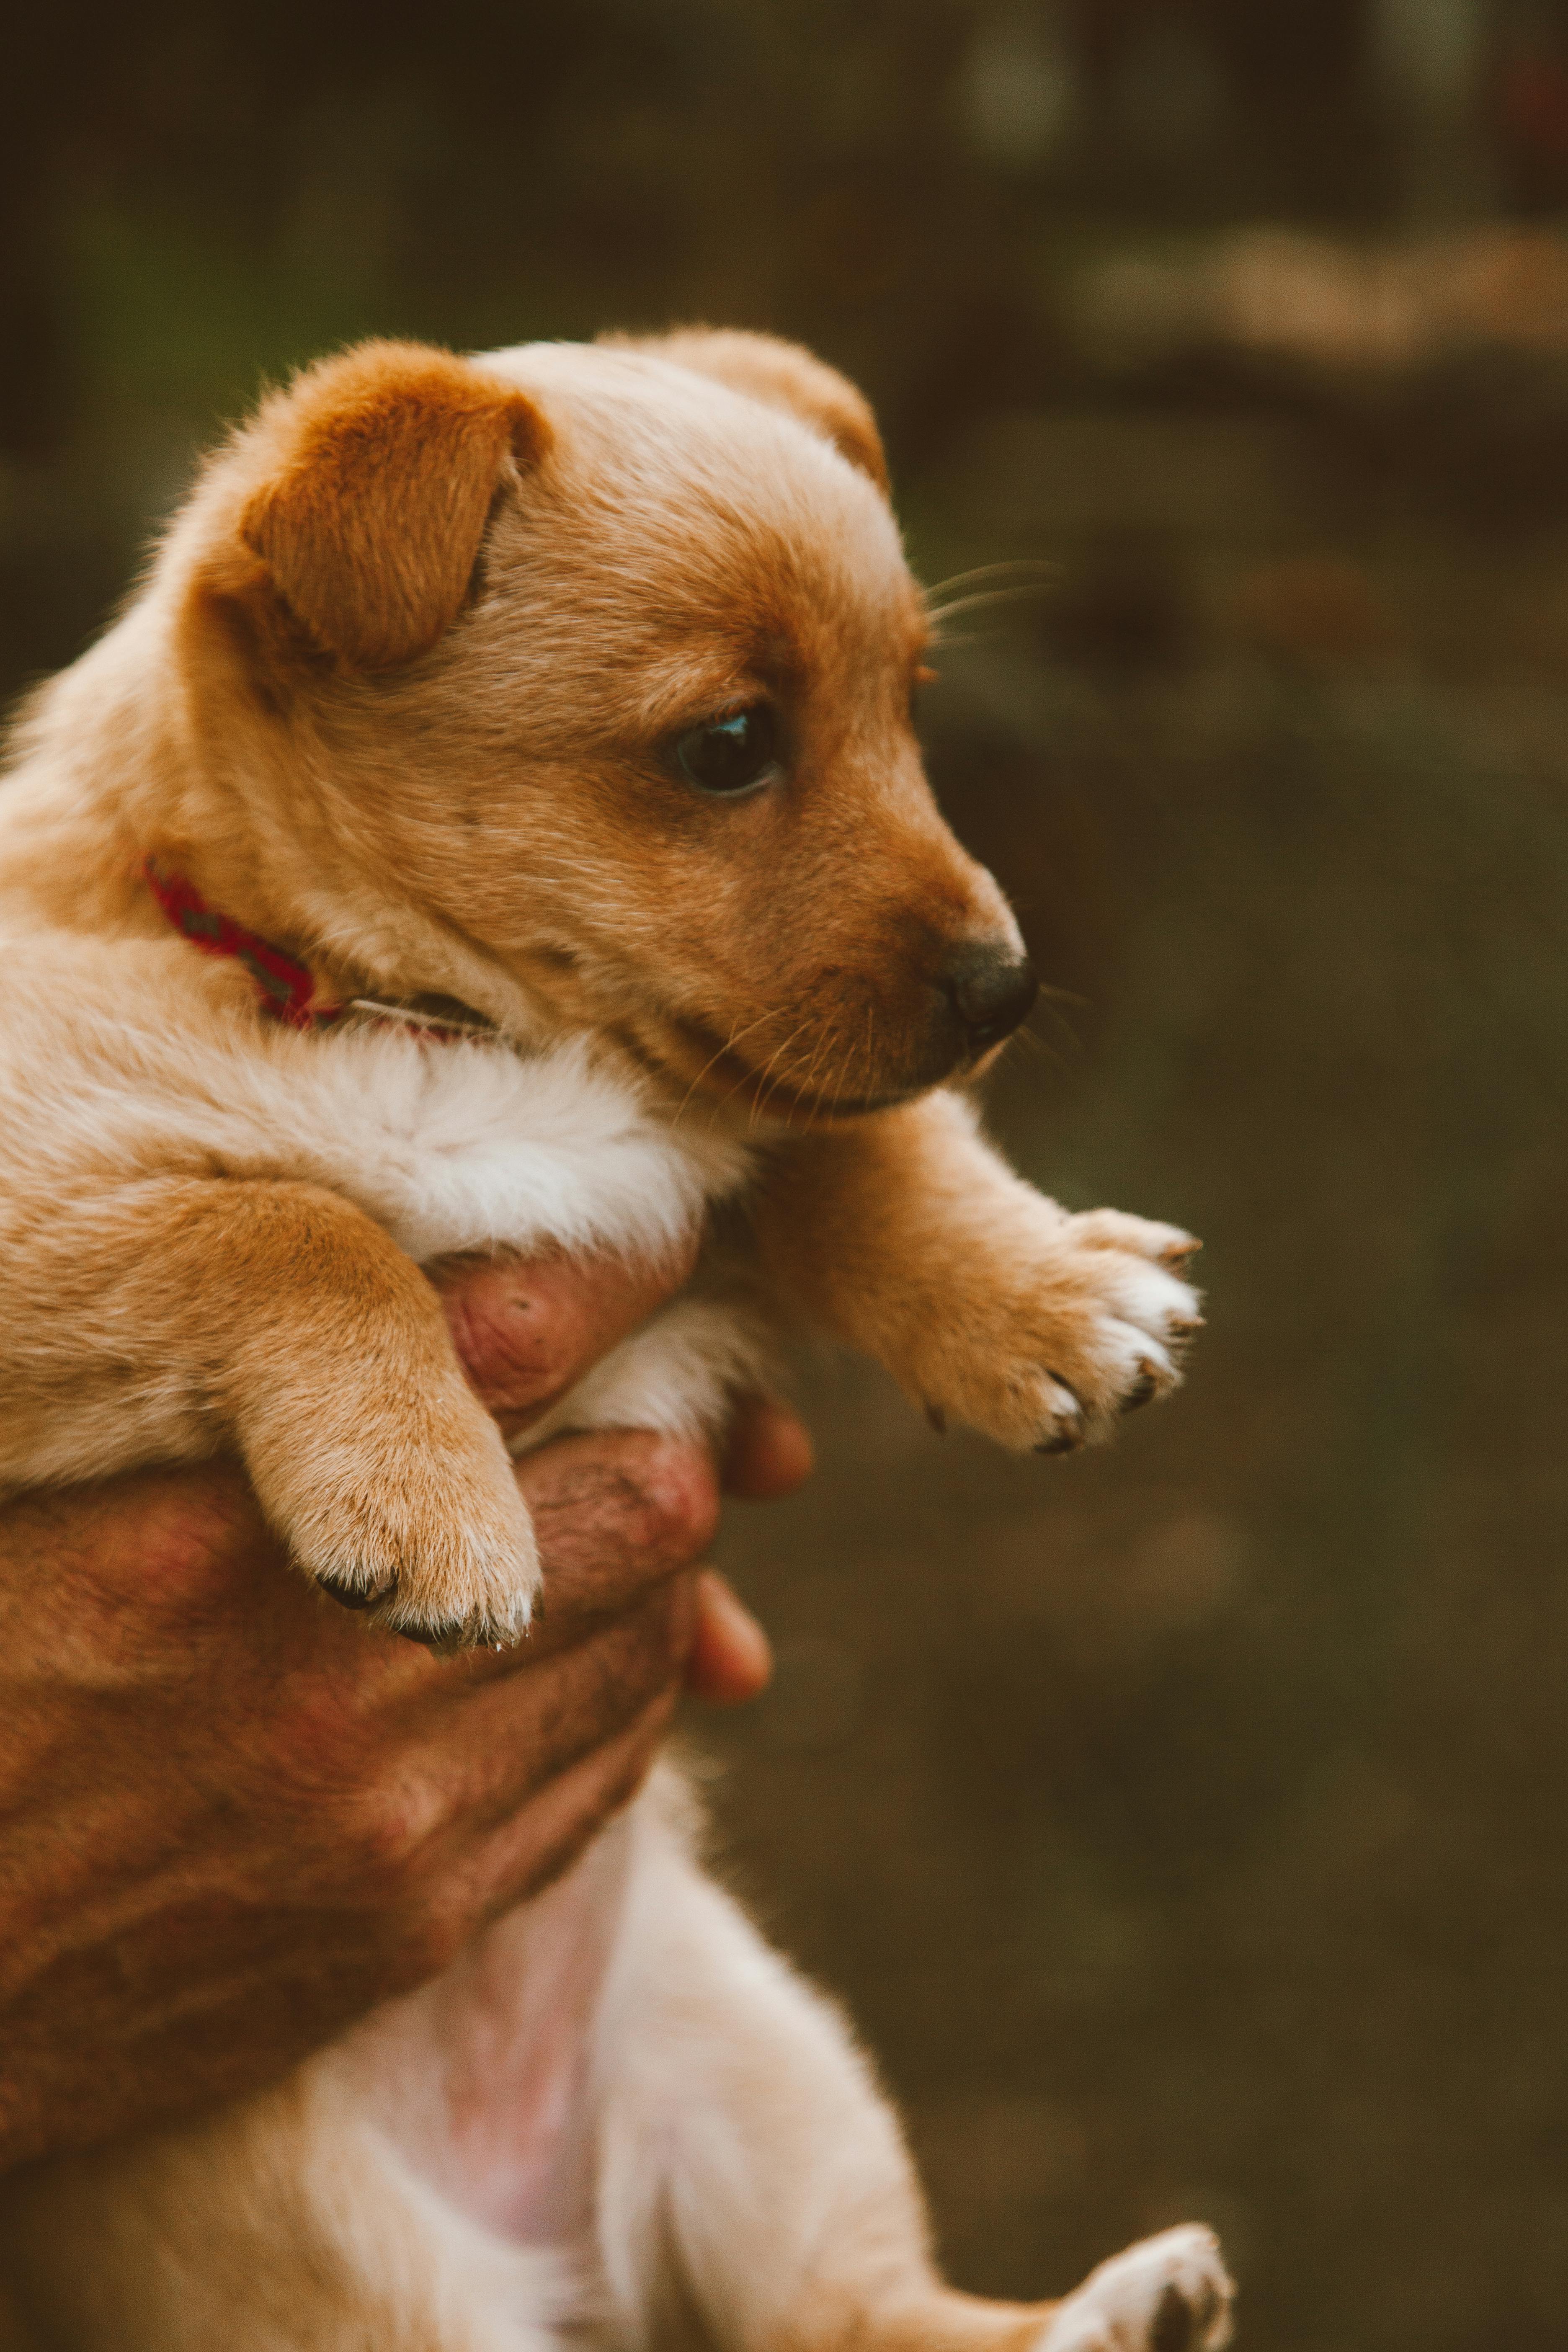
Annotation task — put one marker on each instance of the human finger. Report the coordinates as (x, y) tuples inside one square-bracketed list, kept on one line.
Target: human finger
[(525, 1853), (476, 1756), (526, 1327), (769, 1453), (617, 1513), (730, 1659)]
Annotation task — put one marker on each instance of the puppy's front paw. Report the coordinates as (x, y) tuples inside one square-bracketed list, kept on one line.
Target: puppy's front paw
[(1169, 2294), (410, 1513), (1070, 1322)]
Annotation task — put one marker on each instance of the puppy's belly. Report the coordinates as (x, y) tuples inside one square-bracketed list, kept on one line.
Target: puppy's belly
[(481, 2081)]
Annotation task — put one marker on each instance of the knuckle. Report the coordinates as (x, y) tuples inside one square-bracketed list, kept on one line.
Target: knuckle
[(410, 1882), (187, 1535), (404, 1843), (677, 1498), (383, 1841)]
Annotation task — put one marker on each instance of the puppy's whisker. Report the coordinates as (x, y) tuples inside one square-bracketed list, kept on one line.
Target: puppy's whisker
[(1040, 566), (813, 1103), (747, 1073), (729, 1046), (854, 1059), (1058, 1005), (939, 644), (938, 613), (848, 1062), (805, 1083), (778, 1056), (703, 1073), (802, 1085), (816, 1094), (1061, 1048), (762, 1076)]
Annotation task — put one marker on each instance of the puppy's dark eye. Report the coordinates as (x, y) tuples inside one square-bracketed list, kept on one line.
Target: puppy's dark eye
[(730, 755)]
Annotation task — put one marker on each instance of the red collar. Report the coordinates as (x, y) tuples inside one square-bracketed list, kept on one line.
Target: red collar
[(285, 988)]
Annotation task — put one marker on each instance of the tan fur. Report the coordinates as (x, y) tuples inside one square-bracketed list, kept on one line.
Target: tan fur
[(908, 1238), (782, 375), (370, 526), (400, 694), (259, 1296), (492, 821)]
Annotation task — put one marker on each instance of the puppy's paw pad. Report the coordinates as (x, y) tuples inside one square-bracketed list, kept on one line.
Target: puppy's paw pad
[(1169, 2294)]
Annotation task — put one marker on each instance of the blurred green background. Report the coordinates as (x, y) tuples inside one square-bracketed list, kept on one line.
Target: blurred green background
[(1182, 1824)]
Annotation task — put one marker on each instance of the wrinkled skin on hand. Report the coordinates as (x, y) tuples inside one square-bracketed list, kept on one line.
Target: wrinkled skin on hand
[(233, 1818)]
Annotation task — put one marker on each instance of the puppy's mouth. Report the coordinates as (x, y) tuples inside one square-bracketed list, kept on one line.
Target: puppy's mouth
[(777, 1089)]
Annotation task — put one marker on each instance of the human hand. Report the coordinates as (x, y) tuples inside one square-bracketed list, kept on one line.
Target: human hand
[(234, 1819)]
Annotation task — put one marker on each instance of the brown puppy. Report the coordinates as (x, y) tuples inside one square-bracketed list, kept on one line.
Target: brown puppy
[(532, 735)]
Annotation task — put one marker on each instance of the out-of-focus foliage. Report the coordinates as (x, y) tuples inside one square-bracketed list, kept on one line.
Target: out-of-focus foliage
[(196, 195), (1182, 1823)]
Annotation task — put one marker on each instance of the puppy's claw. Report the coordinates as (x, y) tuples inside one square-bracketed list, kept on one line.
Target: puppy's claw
[(357, 1597), (1068, 1432), (450, 1638), (1180, 1253), (386, 1608), (1180, 1333), (1080, 1324), (441, 1641)]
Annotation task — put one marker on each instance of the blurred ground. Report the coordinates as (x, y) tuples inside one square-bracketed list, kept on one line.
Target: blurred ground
[(1181, 1824)]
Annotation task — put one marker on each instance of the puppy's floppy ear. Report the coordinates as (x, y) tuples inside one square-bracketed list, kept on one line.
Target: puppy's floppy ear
[(377, 474), (780, 374)]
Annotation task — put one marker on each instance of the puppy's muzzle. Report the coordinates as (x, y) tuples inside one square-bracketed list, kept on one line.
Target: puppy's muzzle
[(988, 991)]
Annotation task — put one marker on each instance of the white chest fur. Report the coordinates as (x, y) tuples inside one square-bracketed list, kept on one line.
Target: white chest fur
[(450, 1146)]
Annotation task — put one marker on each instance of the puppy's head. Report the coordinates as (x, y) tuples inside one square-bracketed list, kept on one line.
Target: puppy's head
[(601, 659)]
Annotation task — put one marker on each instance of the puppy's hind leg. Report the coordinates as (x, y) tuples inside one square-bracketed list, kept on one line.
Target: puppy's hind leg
[(754, 2188), (1170, 2293)]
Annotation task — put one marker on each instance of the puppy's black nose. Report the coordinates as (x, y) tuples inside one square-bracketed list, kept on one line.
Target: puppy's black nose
[(991, 990)]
